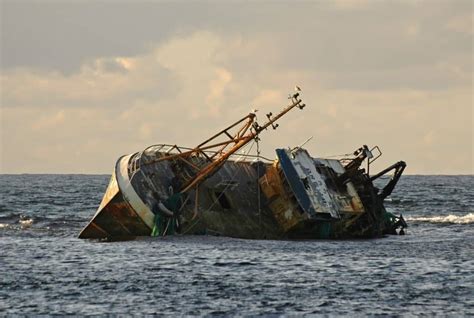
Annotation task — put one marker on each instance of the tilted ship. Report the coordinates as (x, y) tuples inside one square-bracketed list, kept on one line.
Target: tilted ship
[(212, 189)]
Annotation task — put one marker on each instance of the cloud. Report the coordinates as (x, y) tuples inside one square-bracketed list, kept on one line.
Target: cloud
[(102, 82), (350, 4), (461, 23), (49, 122), (367, 79), (268, 98), (429, 138), (218, 85)]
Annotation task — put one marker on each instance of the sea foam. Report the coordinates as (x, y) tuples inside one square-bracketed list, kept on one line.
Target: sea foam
[(454, 219)]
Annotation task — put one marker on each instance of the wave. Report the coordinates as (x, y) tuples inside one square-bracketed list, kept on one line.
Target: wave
[(452, 219), (20, 222), (25, 223)]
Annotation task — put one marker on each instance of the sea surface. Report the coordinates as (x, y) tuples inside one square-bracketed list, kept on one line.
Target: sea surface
[(46, 270)]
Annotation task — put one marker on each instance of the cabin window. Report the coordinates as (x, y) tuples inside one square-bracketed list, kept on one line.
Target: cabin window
[(223, 200)]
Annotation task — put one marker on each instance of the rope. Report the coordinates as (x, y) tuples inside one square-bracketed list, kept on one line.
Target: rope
[(346, 155)]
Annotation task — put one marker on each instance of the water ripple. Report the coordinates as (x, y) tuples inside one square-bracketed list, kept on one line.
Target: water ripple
[(429, 271)]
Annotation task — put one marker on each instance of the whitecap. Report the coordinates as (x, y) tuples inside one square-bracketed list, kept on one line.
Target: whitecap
[(26, 223), (454, 219)]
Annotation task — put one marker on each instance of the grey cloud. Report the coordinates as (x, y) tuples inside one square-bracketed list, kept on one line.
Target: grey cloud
[(373, 73), (115, 88), (61, 35), (382, 45), (384, 39)]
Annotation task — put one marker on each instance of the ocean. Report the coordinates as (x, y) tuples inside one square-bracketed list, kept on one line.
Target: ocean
[(46, 270)]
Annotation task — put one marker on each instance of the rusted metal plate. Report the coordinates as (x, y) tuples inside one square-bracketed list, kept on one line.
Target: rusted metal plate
[(93, 231), (116, 217), (241, 199), (112, 190), (283, 208)]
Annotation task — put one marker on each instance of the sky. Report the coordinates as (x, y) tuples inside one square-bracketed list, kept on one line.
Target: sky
[(84, 82)]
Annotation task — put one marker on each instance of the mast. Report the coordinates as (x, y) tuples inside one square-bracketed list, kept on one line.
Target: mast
[(236, 136)]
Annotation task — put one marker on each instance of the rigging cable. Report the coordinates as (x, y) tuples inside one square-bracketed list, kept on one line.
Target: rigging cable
[(257, 139)]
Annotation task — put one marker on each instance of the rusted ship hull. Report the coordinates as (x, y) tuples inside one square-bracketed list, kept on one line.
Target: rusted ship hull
[(121, 212), (253, 200), (216, 207), (167, 189)]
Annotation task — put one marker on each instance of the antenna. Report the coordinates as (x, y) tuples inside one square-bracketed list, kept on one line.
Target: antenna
[(301, 146)]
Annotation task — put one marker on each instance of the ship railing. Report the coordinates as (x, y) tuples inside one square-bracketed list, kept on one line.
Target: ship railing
[(167, 149), (175, 149)]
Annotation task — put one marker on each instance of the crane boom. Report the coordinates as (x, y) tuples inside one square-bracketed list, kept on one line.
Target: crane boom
[(235, 139)]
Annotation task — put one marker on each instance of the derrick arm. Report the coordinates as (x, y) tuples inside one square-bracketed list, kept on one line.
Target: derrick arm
[(249, 131), (212, 143), (207, 157), (399, 167)]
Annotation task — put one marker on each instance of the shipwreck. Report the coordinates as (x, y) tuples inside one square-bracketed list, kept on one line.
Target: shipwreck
[(214, 189)]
